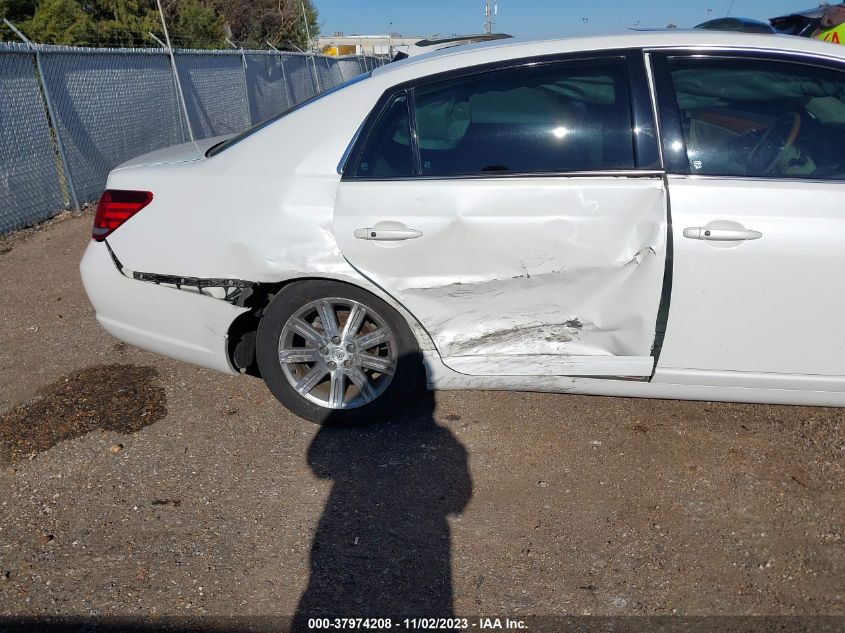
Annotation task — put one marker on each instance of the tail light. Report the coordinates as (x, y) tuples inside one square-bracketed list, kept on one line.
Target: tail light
[(115, 207)]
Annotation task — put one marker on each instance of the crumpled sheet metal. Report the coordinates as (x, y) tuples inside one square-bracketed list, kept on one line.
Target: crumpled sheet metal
[(570, 267)]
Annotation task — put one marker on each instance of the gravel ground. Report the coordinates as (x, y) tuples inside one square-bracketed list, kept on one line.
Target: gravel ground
[(133, 485)]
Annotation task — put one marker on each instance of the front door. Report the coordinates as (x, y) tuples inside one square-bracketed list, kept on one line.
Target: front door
[(756, 146), (506, 212)]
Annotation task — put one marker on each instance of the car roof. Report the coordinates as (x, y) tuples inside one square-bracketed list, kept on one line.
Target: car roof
[(501, 50)]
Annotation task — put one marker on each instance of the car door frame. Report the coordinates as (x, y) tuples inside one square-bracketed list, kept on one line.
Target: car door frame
[(647, 152), (648, 156), (677, 165), (673, 145)]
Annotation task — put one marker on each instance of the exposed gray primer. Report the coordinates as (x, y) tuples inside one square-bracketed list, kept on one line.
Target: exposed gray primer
[(522, 337)]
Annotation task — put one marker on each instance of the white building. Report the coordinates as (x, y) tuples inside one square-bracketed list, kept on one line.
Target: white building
[(365, 44)]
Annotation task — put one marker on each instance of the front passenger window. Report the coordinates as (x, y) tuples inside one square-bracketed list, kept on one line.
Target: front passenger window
[(761, 118)]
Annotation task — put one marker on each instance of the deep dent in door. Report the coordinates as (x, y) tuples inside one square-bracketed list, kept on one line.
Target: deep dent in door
[(603, 301)]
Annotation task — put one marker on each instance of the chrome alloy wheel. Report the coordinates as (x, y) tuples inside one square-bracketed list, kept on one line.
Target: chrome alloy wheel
[(337, 353)]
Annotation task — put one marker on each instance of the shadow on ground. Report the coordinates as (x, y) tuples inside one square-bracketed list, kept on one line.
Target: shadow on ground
[(382, 547)]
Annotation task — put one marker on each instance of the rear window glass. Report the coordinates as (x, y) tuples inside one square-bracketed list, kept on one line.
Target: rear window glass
[(388, 153), (553, 118)]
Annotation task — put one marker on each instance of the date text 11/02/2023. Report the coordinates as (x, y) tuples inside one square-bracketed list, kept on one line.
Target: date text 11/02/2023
[(429, 624)]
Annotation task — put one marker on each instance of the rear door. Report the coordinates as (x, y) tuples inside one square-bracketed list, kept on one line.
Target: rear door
[(755, 146), (518, 214)]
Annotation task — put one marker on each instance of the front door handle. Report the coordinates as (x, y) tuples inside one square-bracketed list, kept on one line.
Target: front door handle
[(721, 235), (387, 235)]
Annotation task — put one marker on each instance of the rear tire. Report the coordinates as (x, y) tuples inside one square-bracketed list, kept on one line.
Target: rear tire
[(336, 355)]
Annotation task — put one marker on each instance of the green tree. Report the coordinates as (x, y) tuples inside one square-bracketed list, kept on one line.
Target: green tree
[(122, 22), (59, 22), (191, 23), (17, 10), (280, 22), (194, 24)]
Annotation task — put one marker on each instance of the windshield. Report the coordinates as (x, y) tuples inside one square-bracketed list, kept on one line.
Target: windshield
[(221, 147)]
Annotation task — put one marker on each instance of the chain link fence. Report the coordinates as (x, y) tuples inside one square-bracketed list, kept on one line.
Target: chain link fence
[(30, 189), (70, 115)]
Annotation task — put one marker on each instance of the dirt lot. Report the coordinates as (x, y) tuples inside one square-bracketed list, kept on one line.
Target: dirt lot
[(135, 485)]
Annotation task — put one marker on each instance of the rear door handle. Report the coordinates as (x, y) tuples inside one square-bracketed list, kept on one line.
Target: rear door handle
[(387, 235), (721, 235)]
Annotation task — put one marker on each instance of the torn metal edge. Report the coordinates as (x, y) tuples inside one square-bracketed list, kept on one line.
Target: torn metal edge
[(237, 291)]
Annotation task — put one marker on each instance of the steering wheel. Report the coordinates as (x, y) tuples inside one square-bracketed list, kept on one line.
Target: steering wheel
[(776, 142)]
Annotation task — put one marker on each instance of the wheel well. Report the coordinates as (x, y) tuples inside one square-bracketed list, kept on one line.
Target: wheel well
[(242, 331)]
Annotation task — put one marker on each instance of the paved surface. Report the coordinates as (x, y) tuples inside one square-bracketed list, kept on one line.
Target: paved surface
[(135, 485)]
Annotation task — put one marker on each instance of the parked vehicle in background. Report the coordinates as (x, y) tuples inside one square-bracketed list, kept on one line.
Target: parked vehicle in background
[(801, 23), (439, 43), (737, 25), (499, 217), (818, 22), (832, 25)]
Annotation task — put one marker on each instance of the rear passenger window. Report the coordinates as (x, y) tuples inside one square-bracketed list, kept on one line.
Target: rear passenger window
[(761, 118), (562, 117), (388, 153)]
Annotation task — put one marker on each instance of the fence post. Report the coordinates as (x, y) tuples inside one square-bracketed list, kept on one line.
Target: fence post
[(313, 82), (246, 90), (246, 80), (284, 75), (329, 68), (175, 72), (310, 46), (51, 115), (175, 90), (316, 74)]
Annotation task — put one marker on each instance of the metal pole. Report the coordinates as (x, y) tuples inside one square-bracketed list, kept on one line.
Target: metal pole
[(311, 75), (51, 115), (489, 12), (362, 58), (51, 112), (246, 80), (176, 72), (317, 86), (284, 74), (18, 33), (329, 68), (175, 89), (310, 46)]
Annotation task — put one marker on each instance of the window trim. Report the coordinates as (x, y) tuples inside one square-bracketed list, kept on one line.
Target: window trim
[(369, 127), (673, 141), (645, 144), (647, 149)]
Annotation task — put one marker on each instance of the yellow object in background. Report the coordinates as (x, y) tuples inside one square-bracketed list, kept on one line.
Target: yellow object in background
[(337, 51), (836, 35)]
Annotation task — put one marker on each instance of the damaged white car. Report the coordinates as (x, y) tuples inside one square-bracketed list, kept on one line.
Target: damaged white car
[(653, 214)]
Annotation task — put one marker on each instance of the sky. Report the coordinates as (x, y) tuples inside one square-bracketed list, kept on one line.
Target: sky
[(534, 18)]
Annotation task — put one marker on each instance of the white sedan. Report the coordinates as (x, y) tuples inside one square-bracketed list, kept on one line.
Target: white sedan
[(648, 215)]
